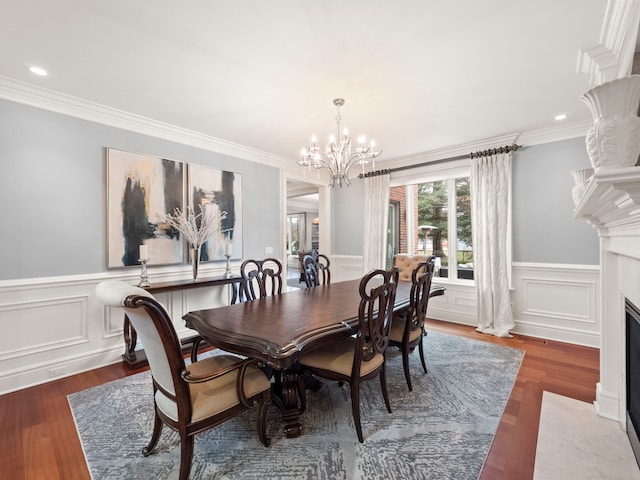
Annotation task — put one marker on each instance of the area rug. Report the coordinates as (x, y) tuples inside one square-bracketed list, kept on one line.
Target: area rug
[(574, 442), (441, 430)]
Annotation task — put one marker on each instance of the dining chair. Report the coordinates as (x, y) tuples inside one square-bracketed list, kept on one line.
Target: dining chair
[(407, 263), (316, 270), (261, 278), (193, 398), (360, 357), (407, 328)]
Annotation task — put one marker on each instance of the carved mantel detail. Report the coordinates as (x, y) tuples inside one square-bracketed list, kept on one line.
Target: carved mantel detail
[(610, 198)]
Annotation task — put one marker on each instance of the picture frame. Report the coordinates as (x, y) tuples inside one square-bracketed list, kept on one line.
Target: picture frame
[(141, 189), (214, 188)]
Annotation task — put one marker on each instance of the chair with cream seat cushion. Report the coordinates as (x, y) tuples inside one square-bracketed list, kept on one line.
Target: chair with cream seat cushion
[(407, 328), (362, 356), (193, 398), (407, 264)]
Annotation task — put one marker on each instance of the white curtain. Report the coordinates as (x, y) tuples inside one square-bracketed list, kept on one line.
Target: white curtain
[(376, 219), (490, 211)]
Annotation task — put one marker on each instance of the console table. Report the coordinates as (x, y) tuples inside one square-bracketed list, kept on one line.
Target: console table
[(134, 359)]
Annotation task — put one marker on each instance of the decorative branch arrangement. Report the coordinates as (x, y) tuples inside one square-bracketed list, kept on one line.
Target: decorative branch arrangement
[(196, 229)]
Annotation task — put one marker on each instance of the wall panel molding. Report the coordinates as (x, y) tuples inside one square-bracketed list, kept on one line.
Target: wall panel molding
[(557, 302)]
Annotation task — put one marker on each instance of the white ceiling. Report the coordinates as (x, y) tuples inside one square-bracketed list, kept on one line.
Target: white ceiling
[(417, 75)]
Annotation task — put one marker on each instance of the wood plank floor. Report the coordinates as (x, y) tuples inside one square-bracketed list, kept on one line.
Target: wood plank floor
[(39, 440)]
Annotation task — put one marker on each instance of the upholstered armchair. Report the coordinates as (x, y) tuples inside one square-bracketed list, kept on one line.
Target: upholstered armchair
[(193, 398)]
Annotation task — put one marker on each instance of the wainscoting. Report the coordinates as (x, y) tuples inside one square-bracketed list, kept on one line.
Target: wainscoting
[(557, 302), (54, 327)]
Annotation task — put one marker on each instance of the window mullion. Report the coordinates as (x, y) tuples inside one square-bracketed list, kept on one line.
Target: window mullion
[(452, 228)]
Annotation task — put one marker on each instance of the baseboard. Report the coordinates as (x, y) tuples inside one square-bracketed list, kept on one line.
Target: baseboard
[(61, 368), (607, 405)]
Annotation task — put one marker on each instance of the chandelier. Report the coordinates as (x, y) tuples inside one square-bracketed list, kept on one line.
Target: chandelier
[(337, 157)]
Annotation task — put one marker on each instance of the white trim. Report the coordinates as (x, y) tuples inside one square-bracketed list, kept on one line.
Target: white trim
[(65, 104), (612, 57), (50, 100)]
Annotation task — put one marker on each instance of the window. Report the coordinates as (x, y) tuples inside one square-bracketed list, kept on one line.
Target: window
[(393, 234), (438, 222)]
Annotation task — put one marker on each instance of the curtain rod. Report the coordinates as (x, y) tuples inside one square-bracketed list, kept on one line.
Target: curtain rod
[(481, 153)]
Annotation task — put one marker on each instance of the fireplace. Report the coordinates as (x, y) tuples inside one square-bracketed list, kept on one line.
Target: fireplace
[(632, 320), (610, 202)]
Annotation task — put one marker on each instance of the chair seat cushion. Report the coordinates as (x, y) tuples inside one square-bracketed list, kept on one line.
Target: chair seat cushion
[(338, 357), (215, 396), (397, 331)]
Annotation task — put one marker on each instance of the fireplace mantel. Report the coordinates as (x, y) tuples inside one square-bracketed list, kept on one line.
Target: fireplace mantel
[(611, 200)]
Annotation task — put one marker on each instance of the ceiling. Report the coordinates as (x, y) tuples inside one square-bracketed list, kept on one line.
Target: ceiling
[(417, 75)]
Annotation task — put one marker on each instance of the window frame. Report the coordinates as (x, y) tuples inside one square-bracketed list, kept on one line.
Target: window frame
[(448, 172)]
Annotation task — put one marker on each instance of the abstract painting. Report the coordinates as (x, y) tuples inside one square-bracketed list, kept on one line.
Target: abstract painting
[(141, 189), (212, 188)]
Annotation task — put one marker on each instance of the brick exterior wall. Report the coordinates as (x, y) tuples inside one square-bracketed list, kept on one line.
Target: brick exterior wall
[(399, 196)]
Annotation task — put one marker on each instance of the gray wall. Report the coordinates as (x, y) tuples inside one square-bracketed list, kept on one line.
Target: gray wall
[(544, 230), (347, 217), (53, 191)]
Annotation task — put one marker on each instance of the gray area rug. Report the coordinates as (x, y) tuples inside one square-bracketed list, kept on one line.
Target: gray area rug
[(441, 430)]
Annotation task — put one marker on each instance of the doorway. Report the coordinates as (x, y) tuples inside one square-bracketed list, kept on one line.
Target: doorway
[(302, 226)]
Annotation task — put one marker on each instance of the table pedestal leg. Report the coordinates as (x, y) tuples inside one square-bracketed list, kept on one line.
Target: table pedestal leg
[(288, 395), (289, 392)]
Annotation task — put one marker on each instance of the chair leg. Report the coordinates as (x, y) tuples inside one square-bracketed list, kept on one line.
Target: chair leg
[(383, 385), (405, 366), (355, 408), (186, 453), (157, 430), (263, 408), (421, 349)]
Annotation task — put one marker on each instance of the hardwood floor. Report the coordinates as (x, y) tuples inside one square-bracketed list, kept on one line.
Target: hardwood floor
[(39, 439)]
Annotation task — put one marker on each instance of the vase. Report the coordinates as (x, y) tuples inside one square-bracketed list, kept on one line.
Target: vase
[(614, 138), (195, 261), (580, 177)]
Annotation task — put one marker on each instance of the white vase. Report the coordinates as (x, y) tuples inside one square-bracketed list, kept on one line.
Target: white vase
[(581, 177), (614, 138)]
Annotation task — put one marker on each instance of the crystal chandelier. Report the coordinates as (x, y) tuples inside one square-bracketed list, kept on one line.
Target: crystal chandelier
[(338, 157)]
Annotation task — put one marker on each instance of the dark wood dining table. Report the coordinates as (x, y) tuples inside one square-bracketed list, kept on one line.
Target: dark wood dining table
[(278, 329)]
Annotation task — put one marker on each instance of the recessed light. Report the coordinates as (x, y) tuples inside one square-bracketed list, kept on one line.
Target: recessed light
[(41, 72), (562, 116)]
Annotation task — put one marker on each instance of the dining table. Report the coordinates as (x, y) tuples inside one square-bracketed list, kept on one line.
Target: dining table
[(278, 329)]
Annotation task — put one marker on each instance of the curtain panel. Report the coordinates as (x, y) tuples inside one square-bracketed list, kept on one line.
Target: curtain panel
[(376, 219), (490, 210)]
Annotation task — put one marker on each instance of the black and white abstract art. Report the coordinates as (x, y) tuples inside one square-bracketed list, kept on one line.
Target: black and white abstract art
[(212, 188), (141, 189)]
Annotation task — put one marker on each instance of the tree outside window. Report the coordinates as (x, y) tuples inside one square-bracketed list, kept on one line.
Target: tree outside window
[(446, 236)]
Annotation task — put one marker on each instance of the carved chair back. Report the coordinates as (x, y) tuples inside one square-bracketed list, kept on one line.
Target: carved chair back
[(377, 297), (316, 269), (261, 278)]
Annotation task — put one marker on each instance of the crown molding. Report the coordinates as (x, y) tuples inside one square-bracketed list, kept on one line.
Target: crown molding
[(68, 105), (612, 57), (534, 137)]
